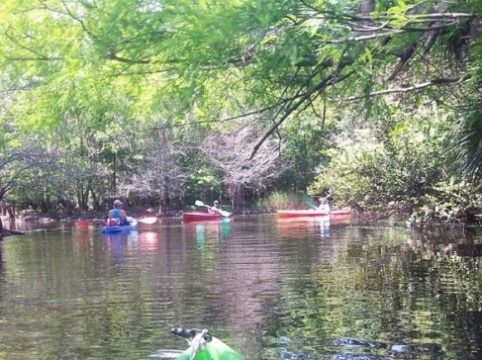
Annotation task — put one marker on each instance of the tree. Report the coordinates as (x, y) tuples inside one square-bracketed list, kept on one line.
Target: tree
[(27, 168), (110, 66), (230, 153), (160, 174)]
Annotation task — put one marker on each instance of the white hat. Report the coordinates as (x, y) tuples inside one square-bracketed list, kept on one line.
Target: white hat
[(117, 202)]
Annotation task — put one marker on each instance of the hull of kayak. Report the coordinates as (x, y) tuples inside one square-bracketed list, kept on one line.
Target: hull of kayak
[(203, 346), (199, 216), (213, 350), (82, 223), (120, 228), (311, 213)]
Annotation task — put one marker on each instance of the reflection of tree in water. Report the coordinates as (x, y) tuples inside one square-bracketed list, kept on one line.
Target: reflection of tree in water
[(380, 286), (1, 260), (469, 323)]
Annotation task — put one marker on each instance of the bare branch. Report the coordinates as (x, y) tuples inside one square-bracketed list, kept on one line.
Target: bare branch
[(79, 20), (319, 87), (113, 56), (441, 81), (230, 153), (15, 41)]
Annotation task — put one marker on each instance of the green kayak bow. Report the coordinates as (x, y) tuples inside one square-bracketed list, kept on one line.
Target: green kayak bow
[(203, 346)]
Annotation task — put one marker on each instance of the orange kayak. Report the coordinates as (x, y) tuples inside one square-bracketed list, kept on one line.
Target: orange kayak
[(310, 213), (200, 216)]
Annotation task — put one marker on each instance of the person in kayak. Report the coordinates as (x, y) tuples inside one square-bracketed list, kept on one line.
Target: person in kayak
[(215, 208), (117, 216), (324, 206)]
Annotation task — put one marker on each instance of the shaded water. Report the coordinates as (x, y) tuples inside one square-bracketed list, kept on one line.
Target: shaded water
[(271, 289)]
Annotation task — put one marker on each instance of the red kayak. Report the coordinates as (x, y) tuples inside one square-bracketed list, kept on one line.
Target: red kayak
[(311, 213), (200, 216), (82, 223)]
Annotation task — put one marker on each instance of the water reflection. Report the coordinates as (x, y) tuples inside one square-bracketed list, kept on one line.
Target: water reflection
[(208, 232), (148, 241), (302, 226), (117, 244), (38, 225), (125, 244)]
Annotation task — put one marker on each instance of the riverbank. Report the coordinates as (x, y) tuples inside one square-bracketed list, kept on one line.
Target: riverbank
[(97, 217)]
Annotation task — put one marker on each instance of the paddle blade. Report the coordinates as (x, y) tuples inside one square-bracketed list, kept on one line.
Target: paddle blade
[(199, 203), (224, 213), (148, 220), (310, 205)]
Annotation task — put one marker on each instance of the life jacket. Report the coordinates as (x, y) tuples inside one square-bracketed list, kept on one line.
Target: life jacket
[(112, 222), (116, 218)]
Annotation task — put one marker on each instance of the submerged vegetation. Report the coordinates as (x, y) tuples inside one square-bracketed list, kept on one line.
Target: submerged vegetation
[(376, 103)]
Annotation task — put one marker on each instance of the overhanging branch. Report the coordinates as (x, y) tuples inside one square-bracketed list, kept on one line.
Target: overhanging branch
[(302, 99), (440, 81)]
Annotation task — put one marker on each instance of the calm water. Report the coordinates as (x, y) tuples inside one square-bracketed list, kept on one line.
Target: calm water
[(271, 289)]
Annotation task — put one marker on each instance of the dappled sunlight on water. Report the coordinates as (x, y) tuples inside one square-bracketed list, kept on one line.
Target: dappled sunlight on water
[(270, 288)]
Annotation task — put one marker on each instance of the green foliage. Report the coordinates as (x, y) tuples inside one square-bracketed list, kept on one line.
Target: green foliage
[(450, 201), (282, 200), (94, 78), (400, 168), (468, 143), (203, 182), (307, 135)]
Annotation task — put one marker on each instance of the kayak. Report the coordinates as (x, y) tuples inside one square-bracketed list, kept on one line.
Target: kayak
[(213, 350), (82, 223), (200, 216), (120, 228), (311, 213), (204, 346)]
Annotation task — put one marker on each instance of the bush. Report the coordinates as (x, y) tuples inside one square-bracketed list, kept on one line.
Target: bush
[(283, 201)]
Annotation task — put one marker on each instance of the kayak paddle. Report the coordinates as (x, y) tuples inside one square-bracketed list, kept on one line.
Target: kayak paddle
[(311, 205), (148, 220), (222, 212)]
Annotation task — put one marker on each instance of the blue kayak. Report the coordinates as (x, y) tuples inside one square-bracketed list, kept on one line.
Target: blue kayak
[(120, 228)]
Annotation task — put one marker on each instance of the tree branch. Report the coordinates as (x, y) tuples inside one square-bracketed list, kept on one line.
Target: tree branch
[(113, 56), (440, 81), (321, 86)]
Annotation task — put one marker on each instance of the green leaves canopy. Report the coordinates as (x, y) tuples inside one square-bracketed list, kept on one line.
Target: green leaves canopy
[(87, 73)]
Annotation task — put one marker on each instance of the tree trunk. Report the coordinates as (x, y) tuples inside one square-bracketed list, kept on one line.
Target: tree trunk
[(236, 192), (163, 166)]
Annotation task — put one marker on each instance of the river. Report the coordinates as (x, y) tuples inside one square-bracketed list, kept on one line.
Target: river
[(269, 288)]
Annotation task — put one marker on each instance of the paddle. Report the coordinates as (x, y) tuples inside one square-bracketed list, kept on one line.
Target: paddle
[(148, 220), (311, 205), (222, 212)]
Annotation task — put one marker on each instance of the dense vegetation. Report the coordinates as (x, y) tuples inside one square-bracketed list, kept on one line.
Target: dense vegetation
[(161, 102)]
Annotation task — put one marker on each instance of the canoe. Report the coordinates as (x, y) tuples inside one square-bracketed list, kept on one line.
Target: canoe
[(120, 228), (200, 216), (311, 213)]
